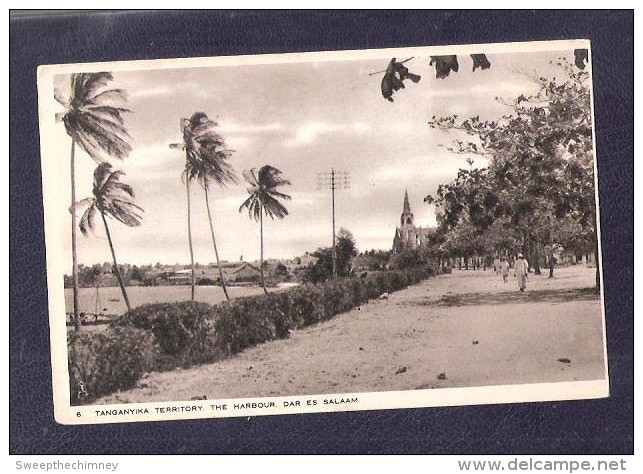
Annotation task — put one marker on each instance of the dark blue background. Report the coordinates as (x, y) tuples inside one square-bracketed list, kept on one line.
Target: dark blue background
[(594, 426)]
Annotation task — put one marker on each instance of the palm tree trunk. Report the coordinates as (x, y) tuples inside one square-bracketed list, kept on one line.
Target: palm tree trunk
[(263, 280), (214, 243), (187, 188), (117, 271), (74, 255)]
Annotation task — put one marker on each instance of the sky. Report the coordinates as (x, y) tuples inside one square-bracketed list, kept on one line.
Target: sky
[(303, 118)]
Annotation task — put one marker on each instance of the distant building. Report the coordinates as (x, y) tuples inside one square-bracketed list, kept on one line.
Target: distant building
[(299, 262), (408, 235), (179, 279), (246, 272)]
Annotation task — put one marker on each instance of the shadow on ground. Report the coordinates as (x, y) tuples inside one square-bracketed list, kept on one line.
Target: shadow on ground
[(537, 296)]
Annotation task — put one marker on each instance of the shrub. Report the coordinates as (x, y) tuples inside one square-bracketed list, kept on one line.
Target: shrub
[(243, 323), (185, 331), (307, 305), (103, 362)]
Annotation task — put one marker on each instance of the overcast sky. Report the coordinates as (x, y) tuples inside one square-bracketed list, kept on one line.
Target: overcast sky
[(304, 119)]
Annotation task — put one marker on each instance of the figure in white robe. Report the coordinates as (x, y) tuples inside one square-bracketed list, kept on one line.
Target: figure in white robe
[(521, 270)]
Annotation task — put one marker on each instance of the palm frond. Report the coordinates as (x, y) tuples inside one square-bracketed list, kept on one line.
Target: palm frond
[(101, 173), (274, 208), (110, 180), (115, 96), (60, 97), (253, 205), (270, 177), (250, 176), (85, 85), (126, 188), (124, 202), (81, 204), (92, 136), (108, 124), (277, 194), (124, 214), (88, 220), (206, 153), (247, 203), (107, 112)]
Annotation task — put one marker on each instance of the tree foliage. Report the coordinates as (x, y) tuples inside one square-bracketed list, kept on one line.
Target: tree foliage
[(93, 115), (538, 184), (111, 197), (206, 154), (263, 195), (322, 269)]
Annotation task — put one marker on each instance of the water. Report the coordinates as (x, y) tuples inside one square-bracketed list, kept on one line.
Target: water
[(110, 299)]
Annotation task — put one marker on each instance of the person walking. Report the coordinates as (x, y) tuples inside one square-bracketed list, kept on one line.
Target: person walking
[(504, 269), (521, 270)]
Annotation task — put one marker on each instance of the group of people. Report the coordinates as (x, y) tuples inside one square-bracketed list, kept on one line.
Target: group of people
[(521, 269)]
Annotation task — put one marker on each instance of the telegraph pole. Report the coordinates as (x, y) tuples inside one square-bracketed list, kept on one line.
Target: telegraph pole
[(333, 180)]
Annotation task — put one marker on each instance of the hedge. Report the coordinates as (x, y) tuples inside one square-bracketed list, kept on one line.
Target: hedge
[(103, 362), (185, 332), (163, 336)]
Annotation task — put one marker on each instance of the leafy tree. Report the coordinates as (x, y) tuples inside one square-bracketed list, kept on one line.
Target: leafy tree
[(346, 249), (280, 272), (322, 269), (408, 258), (114, 199), (540, 165), (93, 120), (264, 199), (373, 259), (136, 273)]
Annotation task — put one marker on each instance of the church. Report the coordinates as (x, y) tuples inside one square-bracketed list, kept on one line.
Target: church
[(408, 235)]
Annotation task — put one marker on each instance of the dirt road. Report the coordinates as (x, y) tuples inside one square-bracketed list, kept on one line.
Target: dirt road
[(459, 330)]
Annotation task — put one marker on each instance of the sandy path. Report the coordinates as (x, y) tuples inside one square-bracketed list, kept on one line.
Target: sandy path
[(468, 326)]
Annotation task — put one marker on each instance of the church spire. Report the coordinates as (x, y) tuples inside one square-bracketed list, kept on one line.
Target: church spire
[(407, 215)]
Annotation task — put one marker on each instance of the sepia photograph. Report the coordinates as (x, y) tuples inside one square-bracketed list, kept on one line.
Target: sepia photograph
[(323, 231)]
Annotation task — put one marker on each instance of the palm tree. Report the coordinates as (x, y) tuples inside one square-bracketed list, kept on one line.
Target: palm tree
[(92, 119), (206, 161), (264, 199), (110, 198)]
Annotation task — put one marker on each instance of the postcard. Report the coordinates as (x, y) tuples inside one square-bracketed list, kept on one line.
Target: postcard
[(322, 231)]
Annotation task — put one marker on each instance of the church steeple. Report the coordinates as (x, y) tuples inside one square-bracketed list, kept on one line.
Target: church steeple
[(407, 206), (407, 215)]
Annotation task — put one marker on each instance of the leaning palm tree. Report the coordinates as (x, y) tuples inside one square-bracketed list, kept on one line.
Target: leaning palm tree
[(110, 198), (93, 121), (205, 161), (264, 199)]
